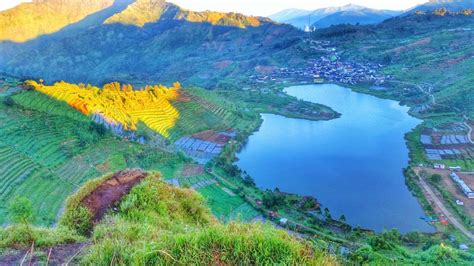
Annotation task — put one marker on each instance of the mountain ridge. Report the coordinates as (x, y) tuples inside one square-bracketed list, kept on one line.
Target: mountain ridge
[(125, 47), (28, 21), (321, 17)]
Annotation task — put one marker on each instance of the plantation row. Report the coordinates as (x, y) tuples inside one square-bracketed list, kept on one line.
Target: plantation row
[(121, 105), (216, 109), (226, 207), (195, 118), (22, 176), (47, 150)]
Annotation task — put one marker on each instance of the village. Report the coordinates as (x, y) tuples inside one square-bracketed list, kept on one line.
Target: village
[(328, 68)]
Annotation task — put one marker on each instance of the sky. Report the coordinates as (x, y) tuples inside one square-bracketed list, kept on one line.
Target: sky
[(268, 7)]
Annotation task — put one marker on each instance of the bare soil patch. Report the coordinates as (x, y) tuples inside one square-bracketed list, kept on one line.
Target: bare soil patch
[(453, 188), (57, 255), (212, 136), (111, 192), (192, 170)]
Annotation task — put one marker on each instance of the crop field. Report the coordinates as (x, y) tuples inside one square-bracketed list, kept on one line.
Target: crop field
[(226, 206), (448, 142), (49, 148), (120, 105)]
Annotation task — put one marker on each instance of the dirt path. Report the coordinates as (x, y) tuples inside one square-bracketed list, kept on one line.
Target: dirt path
[(439, 203), (58, 255), (111, 192), (469, 134)]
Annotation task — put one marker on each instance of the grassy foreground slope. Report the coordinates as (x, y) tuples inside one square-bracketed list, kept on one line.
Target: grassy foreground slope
[(156, 224)]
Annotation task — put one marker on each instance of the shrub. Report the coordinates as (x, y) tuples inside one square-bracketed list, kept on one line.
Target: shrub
[(21, 210)]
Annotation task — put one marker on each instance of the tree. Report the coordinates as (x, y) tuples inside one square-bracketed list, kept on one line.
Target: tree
[(21, 210), (342, 218), (8, 101), (436, 178), (327, 214)]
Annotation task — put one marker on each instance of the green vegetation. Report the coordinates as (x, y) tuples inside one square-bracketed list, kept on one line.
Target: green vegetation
[(159, 224)]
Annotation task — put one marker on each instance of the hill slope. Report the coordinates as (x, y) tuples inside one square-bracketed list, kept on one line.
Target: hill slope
[(450, 5), (156, 224), (30, 20), (153, 40), (363, 16)]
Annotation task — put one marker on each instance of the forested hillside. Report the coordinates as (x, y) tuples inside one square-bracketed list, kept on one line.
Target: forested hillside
[(153, 41)]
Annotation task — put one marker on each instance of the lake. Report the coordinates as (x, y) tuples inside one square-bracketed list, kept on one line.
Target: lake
[(353, 165)]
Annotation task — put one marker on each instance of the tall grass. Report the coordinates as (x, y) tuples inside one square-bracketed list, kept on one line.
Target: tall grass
[(160, 224)]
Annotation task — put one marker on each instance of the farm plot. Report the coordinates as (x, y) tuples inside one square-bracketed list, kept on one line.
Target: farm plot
[(448, 142), (204, 146), (192, 170), (226, 207), (21, 176)]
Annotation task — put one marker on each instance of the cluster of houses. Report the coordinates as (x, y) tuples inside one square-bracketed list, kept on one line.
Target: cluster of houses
[(462, 185), (333, 69), (328, 68)]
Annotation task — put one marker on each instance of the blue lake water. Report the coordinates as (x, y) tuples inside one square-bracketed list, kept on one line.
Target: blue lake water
[(352, 165)]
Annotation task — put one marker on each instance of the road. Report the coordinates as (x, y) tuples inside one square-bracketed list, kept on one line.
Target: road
[(452, 219)]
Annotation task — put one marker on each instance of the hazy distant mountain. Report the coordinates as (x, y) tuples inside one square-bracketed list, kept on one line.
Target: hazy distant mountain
[(363, 16), (287, 15), (150, 41), (451, 5), (348, 14)]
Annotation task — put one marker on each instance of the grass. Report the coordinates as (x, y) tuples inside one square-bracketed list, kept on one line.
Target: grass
[(159, 224), (227, 207)]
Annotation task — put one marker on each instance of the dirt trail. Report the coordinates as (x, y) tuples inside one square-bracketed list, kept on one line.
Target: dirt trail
[(58, 255), (111, 192), (439, 203), (469, 133)]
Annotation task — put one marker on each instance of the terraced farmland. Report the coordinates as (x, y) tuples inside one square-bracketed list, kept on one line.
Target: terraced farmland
[(48, 149), (120, 105)]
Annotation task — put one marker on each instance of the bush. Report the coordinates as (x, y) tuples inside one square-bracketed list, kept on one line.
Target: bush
[(436, 178), (21, 210)]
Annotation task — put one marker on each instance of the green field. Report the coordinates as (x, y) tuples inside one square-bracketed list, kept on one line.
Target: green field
[(47, 150)]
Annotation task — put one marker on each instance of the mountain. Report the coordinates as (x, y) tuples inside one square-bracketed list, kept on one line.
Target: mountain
[(362, 16), (348, 14), (450, 5), (150, 11), (149, 40), (30, 20), (289, 14)]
